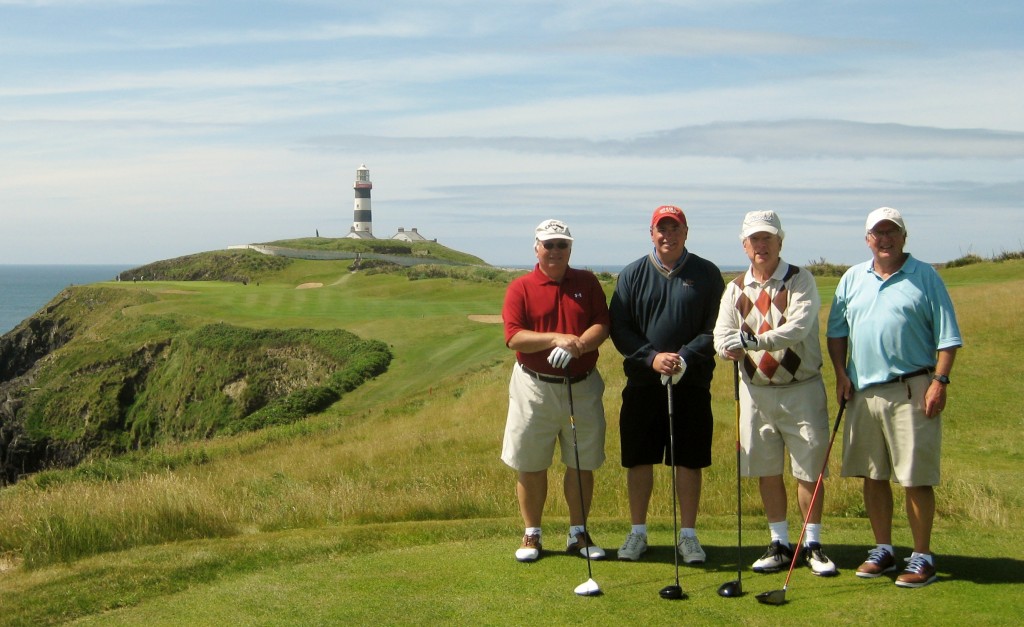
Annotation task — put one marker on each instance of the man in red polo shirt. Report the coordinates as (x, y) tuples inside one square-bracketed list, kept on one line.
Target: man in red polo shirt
[(555, 318)]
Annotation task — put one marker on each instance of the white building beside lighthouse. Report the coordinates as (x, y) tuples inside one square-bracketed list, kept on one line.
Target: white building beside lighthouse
[(362, 217)]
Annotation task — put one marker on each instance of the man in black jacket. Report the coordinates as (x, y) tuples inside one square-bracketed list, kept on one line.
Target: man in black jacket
[(663, 314)]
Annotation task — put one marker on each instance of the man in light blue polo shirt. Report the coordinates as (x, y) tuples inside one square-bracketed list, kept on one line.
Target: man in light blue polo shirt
[(892, 337)]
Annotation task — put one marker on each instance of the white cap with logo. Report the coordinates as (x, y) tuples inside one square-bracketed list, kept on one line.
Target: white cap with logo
[(553, 229), (761, 222), (881, 215)]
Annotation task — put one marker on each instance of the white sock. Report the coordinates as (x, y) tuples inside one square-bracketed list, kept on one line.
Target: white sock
[(927, 557), (687, 532), (640, 529), (813, 533), (780, 531), (533, 531), (575, 529), (887, 547)]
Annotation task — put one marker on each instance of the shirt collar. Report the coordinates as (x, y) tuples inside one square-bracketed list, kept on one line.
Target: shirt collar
[(679, 262), (778, 275)]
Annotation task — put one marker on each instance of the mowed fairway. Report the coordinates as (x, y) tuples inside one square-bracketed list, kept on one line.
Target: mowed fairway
[(393, 508)]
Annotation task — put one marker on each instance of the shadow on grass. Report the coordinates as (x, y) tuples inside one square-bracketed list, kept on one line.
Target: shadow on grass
[(976, 569)]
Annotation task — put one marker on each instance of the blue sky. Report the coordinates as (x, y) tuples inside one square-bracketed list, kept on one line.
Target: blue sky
[(137, 130)]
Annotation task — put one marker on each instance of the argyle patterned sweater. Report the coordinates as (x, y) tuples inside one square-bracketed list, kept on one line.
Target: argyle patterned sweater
[(783, 313)]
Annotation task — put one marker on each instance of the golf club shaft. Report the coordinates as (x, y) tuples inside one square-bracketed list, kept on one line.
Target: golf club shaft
[(579, 477), (672, 464), (817, 488), (739, 498)]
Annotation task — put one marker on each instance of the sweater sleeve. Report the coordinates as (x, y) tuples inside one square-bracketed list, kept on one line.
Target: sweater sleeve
[(802, 309)]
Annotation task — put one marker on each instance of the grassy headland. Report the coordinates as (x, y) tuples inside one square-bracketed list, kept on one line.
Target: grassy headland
[(391, 505)]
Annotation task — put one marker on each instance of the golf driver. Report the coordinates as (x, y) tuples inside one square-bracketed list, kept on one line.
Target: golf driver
[(588, 588), (674, 591), (735, 588), (778, 597)]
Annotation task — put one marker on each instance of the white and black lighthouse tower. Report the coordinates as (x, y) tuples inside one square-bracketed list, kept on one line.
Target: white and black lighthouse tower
[(362, 218)]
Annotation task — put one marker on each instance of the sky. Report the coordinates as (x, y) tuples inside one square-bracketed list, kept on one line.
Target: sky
[(138, 130)]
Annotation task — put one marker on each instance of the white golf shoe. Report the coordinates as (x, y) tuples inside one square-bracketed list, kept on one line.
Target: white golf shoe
[(529, 551), (634, 546), (818, 562), (690, 550), (583, 545), (776, 558)]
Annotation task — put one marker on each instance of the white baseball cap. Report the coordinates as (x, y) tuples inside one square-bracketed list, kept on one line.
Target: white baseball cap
[(761, 222), (553, 229), (881, 215)]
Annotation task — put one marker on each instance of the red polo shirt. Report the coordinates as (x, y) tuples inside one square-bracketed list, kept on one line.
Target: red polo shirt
[(534, 302)]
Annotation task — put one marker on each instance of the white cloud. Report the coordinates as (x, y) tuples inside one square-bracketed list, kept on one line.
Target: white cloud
[(122, 123)]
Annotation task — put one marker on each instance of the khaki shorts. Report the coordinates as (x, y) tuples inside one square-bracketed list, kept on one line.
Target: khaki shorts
[(538, 415), (887, 435), (776, 419)]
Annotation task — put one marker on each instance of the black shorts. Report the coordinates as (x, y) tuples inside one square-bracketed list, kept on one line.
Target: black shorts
[(643, 426)]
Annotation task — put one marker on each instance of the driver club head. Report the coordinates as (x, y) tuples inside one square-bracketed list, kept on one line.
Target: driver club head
[(672, 593), (730, 589), (588, 588), (772, 597)]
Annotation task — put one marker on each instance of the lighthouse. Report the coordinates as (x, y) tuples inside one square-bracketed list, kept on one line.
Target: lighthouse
[(362, 218)]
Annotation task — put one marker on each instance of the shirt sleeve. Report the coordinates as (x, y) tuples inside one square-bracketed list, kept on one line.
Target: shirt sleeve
[(513, 311), (625, 330), (838, 325), (945, 328), (701, 347)]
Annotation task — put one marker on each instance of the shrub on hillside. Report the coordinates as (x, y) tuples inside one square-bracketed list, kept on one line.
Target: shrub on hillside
[(824, 268), (966, 260), (1007, 255)]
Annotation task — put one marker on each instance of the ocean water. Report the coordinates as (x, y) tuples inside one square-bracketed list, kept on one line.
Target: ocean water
[(25, 289)]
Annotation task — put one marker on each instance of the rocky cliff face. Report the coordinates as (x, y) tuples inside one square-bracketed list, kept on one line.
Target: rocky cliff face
[(89, 375), (20, 351)]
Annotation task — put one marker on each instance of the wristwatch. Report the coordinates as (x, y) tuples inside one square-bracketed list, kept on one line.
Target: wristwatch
[(941, 378)]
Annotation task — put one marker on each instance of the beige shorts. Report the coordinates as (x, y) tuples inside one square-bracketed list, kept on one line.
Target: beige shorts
[(888, 437), (538, 415), (774, 420)]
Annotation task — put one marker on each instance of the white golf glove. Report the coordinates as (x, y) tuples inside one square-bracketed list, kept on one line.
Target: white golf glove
[(743, 341), (675, 376), (559, 357)]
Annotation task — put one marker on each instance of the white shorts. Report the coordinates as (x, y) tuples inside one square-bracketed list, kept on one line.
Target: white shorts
[(538, 415), (774, 419)]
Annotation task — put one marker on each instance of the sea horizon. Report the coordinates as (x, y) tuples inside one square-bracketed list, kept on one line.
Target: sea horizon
[(27, 288)]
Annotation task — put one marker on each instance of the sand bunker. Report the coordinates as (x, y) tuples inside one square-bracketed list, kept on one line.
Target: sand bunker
[(307, 286), (488, 319)]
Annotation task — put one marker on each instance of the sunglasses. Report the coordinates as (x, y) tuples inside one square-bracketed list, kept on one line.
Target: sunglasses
[(560, 244)]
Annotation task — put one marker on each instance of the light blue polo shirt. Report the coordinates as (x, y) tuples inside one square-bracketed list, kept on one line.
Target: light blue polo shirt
[(894, 325)]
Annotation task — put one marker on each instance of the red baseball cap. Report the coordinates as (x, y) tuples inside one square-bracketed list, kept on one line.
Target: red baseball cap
[(668, 211)]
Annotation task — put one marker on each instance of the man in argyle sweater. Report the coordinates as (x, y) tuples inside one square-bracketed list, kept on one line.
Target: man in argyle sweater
[(768, 322)]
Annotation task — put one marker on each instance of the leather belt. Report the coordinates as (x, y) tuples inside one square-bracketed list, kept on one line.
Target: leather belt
[(550, 379), (909, 375)]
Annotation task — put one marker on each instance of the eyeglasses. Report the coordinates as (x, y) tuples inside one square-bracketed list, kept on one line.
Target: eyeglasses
[(890, 233), (560, 244)]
